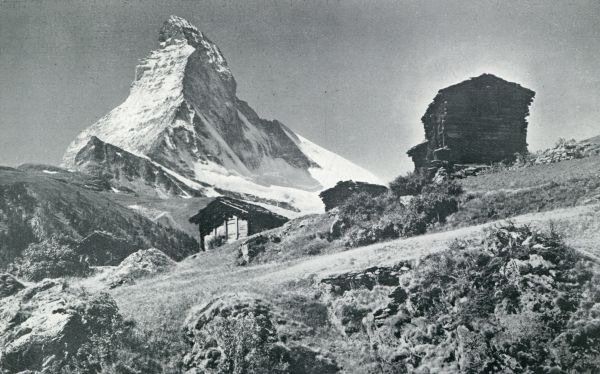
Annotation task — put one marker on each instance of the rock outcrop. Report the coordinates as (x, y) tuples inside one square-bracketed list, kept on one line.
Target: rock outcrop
[(128, 172), (563, 150), (478, 121), (9, 285), (240, 333), (44, 327), (141, 264), (511, 303)]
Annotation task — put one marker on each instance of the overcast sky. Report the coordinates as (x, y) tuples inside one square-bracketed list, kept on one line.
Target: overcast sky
[(353, 76)]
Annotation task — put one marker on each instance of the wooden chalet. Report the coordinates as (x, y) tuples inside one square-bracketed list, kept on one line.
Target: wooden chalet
[(231, 219)]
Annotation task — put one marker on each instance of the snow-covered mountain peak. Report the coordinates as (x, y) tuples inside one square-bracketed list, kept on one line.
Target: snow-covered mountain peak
[(176, 29), (183, 115)]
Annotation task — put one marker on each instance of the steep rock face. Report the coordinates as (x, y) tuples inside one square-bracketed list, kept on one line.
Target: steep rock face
[(183, 113), (135, 173), (480, 120)]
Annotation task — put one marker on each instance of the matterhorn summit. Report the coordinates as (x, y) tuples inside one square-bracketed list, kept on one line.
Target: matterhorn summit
[(184, 122)]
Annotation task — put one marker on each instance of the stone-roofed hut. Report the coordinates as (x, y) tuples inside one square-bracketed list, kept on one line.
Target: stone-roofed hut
[(479, 121), (232, 219)]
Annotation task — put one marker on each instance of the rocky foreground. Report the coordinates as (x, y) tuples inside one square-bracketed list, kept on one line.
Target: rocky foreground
[(509, 299)]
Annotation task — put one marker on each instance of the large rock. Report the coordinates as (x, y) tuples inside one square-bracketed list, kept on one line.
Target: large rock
[(9, 285), (43, 326), (239, 333), (141, 264)]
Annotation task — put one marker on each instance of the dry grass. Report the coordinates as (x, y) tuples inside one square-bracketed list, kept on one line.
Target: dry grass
[(534, 176)]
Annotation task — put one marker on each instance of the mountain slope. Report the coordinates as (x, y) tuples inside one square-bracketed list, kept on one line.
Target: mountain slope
[(37, 202), (183, 114)]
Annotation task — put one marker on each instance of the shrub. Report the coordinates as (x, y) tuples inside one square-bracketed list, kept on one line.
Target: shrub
[(362, 207), (409, 184), (437, 202), (369, 219), (51, 258)]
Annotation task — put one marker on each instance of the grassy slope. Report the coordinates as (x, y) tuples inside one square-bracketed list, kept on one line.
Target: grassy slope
[(161, 304), (539, 188), (535, 176)]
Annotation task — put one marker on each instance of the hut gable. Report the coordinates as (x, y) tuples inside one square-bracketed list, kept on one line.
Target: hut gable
[(480, 120), (233, 219)]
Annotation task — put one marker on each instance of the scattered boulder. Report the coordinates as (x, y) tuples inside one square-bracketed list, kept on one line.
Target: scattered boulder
[(141, 264), (9, 285), (238, 333), (441, 176), (368, 278), (43, 327), (563, 150)]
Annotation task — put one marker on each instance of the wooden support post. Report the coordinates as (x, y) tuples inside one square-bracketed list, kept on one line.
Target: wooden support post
[(226, 229), (237, 228), (202, 247)]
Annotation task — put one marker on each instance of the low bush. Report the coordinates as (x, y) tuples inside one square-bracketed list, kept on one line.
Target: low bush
[(51, 258), (409, 184), (369, 219)]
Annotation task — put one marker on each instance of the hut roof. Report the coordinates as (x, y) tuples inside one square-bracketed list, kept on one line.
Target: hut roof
[(222, 208)]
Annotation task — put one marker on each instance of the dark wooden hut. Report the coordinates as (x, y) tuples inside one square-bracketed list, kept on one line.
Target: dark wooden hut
[(231, 219), (479, 121)]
